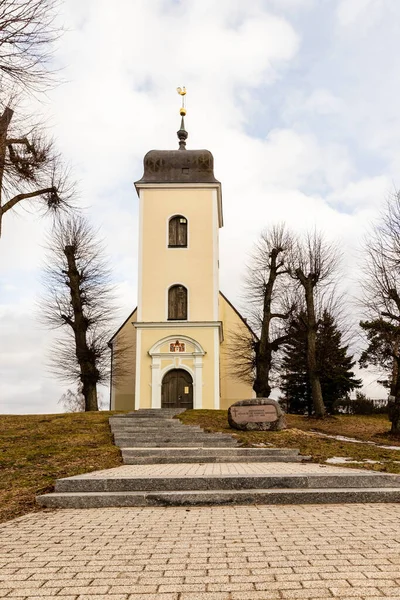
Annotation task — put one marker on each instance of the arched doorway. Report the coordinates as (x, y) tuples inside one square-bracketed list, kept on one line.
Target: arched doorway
[(177, 389)]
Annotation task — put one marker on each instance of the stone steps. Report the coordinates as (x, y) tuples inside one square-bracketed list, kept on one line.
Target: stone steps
[(219, 497), (173, 443), (204, 454), (170, 464), (157, 428), (190, 482), (116, 427)]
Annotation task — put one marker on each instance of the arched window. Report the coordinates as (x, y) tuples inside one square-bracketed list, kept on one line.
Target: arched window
[(177, 232), (177, 303)]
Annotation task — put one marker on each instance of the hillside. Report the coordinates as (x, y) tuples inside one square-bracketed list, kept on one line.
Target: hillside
[(37, 449), (304, 433)]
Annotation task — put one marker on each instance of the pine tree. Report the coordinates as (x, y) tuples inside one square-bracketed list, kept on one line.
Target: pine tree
[(333, 363)]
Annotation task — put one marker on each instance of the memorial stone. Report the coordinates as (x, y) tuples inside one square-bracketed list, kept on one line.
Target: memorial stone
[(257, 414)]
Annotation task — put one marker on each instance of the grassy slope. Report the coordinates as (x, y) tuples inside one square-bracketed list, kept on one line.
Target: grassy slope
[(35, 450), (299, 435)]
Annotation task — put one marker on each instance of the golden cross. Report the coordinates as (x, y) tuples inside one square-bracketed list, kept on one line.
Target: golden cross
[(182, 92)]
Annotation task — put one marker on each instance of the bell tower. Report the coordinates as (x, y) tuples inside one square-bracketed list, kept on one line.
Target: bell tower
[(178, 331)]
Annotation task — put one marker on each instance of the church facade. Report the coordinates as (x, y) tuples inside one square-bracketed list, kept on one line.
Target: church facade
[(175, 349)]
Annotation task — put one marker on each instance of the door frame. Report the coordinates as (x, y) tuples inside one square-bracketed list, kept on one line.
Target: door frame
[(196, 369)]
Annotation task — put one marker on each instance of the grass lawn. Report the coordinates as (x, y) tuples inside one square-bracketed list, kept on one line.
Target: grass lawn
[(35, 450), (300, 434)]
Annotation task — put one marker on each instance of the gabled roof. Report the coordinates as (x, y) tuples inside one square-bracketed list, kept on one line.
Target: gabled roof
[(244, 321), (119, 328)]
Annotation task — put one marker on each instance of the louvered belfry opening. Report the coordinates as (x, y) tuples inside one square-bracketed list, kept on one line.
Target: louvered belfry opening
[(177, 233), (177, 303)]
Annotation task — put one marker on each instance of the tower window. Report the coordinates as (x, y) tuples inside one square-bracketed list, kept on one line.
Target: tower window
[(177, 232), (177, 303)]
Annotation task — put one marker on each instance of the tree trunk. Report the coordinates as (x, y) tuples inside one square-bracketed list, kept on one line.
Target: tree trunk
[(394, 408), (5, 121), (263, 349), (90, 394), (263, 366), (89, 373), (316, 391)]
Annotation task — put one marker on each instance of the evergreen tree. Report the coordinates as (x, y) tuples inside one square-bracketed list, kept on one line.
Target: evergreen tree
[(333, 363)]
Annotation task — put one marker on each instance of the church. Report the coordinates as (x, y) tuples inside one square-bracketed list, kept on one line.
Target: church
[(175, 344)]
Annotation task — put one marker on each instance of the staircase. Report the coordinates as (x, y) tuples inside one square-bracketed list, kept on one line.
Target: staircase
[(167, 463), (158, 429)]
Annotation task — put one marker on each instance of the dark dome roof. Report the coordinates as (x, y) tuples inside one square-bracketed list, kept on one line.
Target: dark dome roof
[(178, 166)]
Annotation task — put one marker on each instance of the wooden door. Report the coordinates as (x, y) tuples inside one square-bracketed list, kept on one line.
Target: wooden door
[(177, 389)]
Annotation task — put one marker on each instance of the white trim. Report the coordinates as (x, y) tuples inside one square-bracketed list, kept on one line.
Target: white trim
[(181, 325), (188, 186), (157, 374), (155, 382), (187, 303), (187, 233), (155, 349), (215, 256), (216, 371), (140, 258), (138, 365)]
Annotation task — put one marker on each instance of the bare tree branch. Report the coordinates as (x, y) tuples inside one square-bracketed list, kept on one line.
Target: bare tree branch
[(381, 301), (27, 33), (312, 263), (31, 171), (79, 299), (254, 357)]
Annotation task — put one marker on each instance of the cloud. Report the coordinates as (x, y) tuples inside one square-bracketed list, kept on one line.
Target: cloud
[(303, 124)]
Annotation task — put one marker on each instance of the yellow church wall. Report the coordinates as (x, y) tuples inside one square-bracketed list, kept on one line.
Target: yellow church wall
[(124, 366), (196, 267), (232, 389), (204, 336)]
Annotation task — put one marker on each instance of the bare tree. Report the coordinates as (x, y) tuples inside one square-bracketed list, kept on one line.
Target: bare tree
[(312, 264), (381, 301), (27, 33), (74, 401), (79, 300), (31, 171), (253, 354)]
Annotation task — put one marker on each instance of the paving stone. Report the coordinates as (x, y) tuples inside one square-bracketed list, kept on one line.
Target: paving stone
[(199, 543)]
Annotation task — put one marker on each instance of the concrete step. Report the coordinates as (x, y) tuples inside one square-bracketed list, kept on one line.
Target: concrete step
[(138, 483), (155, 413), (219, 497), (153, 429), (168, 435), (174, 443), (220, 452), (161, 460), (162, 436), (142, 456)]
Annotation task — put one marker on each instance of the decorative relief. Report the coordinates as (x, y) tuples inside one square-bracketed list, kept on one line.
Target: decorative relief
[(177, 346)]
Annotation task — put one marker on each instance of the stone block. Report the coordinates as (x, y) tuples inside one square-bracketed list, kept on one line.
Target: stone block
[(257, 414)]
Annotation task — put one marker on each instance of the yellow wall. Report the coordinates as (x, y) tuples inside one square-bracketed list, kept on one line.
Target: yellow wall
[(196, 267), (124, 366), (232, 388), (204, 336)]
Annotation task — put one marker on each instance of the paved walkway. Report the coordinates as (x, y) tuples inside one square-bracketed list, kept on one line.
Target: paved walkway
[(219, 470), (216, 553)]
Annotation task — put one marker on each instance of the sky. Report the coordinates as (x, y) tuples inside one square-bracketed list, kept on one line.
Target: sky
[(296, 99)]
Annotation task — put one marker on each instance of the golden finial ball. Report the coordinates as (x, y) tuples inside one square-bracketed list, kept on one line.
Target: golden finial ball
[(182, 112)]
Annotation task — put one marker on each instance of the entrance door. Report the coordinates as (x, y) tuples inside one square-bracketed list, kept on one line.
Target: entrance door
[(177, 389)]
